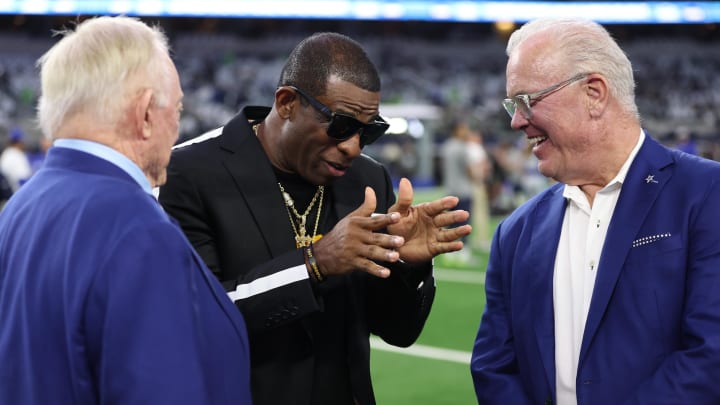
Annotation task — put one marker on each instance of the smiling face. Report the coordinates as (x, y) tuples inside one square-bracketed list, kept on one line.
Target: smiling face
[(304, 146), (560, 130)]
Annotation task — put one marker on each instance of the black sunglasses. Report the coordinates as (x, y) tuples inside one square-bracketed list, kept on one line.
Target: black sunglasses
[(343, 126)]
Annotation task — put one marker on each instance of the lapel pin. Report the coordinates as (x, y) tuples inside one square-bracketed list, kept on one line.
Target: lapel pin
[(650, 179)]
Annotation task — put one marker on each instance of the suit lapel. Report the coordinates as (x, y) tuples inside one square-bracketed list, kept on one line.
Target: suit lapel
[(547, 221), (258, 186), (647, 176)]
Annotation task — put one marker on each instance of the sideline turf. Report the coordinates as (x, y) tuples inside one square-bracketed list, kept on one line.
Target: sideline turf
[(400, 379)]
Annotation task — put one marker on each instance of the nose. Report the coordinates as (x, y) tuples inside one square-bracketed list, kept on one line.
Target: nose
[(351, 146), (518, 120)]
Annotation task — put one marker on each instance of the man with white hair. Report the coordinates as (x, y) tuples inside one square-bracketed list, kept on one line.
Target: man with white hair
[(102, 299), (602, 289)]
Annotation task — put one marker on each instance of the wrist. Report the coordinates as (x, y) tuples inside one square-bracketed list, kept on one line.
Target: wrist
[(312, 264)]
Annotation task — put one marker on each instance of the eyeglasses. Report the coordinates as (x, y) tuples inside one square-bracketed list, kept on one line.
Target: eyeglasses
[(524, 102), (343, 126)]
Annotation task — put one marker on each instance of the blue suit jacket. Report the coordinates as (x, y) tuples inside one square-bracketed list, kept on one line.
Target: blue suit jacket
[(103, 300), (653, 328)]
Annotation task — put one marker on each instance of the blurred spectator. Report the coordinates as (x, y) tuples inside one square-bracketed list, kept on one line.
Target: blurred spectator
[(480, 170), (457, 179), (684, 140), (408, 162), (509, 161), (14, 163), (37, 155), (456, 166), (5, 191)]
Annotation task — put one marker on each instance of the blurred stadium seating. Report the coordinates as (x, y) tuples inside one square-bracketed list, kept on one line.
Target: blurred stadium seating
[(454, 68)]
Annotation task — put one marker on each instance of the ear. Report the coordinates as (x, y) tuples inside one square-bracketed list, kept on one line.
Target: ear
[(286, 101), (142, 114), (598, 94)]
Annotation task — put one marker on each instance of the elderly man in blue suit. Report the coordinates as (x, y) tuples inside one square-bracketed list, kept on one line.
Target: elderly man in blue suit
[(102, 299), (603, 289)]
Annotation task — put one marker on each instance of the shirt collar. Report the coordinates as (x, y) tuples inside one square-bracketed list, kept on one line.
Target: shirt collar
[(574, 191), (110, 155)]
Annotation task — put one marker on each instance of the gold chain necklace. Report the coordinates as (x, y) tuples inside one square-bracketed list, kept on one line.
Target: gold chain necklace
[(302, 239)]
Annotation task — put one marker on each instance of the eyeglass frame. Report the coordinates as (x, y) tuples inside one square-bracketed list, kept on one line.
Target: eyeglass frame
[(524, 100), (378, 126)]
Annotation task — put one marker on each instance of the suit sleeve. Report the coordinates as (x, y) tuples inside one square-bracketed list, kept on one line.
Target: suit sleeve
[(399, 305), (397, 308), (143, 310), (493, 364)]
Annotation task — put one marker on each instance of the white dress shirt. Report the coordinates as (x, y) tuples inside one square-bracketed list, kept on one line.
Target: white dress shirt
[(582, 238), (111, 155)]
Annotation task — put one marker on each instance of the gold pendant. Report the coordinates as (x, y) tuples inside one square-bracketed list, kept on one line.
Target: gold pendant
[(302, 241)]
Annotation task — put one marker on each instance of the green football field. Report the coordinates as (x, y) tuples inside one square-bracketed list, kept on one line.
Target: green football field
[(436, 370)]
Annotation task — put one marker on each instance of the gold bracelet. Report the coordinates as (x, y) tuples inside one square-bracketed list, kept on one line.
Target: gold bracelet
[(313, 263)]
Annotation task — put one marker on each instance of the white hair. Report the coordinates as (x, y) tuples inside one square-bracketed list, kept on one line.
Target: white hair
[(587, 47), (97, 68)]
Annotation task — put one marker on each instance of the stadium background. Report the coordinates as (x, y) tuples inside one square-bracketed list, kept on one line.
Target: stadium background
[(433, 73)]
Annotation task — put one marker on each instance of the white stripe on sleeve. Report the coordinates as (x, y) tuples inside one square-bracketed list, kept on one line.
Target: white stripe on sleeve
[(267, 283), (201, 138)]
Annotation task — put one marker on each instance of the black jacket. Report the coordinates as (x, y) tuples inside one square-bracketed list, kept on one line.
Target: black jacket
[(224, 193)]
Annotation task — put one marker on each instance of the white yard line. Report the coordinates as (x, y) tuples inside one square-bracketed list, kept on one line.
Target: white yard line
[(429, 352)]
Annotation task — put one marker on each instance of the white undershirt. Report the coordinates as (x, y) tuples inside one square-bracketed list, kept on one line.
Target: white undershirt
[(582, 237)]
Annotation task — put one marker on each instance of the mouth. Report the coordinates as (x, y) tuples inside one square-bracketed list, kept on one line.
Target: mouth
[(537, 140), (337, 169)]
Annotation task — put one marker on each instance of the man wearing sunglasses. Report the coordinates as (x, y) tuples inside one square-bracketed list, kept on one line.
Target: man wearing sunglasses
[(306, 232), (602, 289)]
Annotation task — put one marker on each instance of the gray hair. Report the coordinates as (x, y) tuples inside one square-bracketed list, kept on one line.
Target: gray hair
[(96, 68), (587, 47)]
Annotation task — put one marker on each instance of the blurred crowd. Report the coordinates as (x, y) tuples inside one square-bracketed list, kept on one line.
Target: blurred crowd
[(678, 93)]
